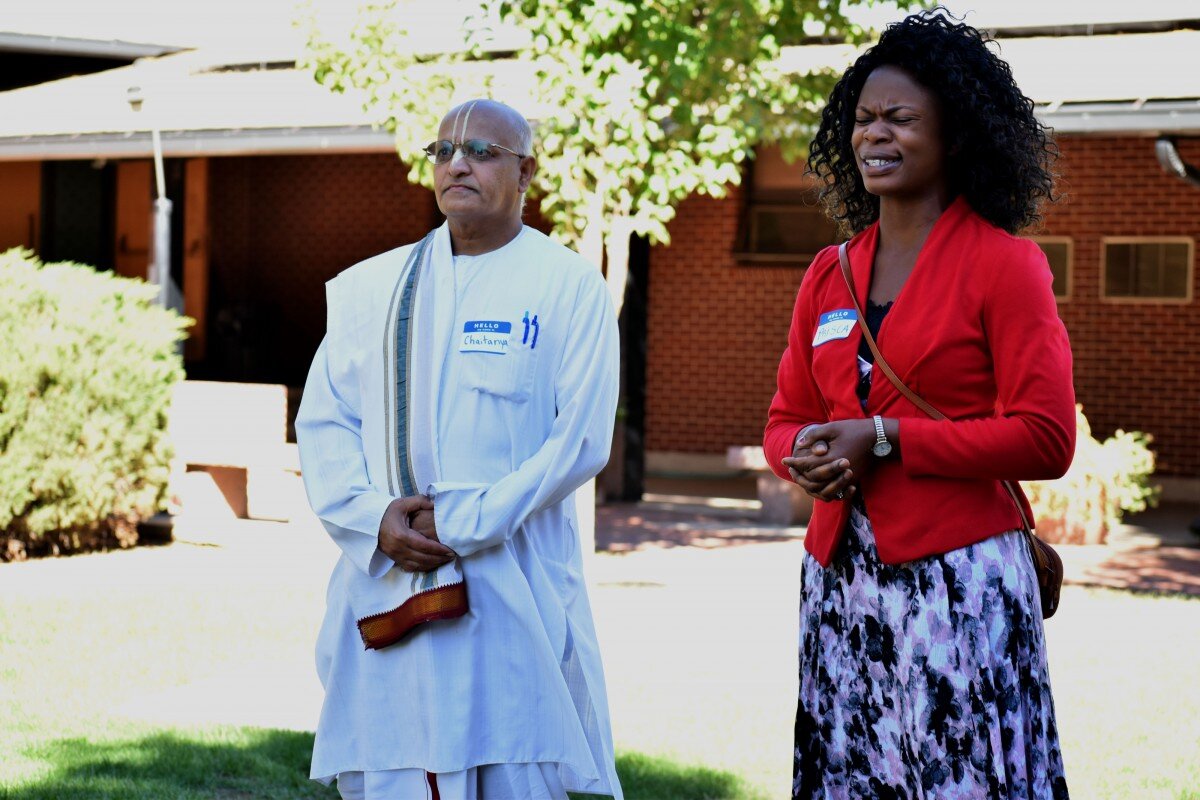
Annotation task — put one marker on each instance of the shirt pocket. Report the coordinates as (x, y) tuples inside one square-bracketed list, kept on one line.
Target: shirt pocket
[(509, 375)]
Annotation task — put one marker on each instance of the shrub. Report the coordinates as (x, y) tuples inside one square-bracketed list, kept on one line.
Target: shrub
[(1105, 480), (86, 368)]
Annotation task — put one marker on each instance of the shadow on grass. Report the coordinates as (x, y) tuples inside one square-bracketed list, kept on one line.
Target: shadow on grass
[(224, 763), (244, 763)]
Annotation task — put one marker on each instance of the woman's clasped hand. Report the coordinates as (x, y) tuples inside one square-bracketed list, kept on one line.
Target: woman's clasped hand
[(828, 459)]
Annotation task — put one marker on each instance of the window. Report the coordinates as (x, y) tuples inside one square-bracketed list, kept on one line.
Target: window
[(1060, 253), (1141, 268), (782, 222)]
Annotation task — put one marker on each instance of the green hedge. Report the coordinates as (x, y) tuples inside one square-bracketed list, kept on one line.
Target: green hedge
[(86, 368)]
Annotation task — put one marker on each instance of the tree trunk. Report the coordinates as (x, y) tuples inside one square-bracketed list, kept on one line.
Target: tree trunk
[(591, 247), (616, 250)]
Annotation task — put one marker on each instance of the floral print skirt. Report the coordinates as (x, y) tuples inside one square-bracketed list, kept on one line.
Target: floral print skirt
[(924, 680)]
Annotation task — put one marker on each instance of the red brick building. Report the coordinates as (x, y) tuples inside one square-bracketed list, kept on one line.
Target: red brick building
[(718, 322), (278, 187)]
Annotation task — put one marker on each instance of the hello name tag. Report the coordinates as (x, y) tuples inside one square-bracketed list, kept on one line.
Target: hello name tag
[(486, 336), (835, 325)]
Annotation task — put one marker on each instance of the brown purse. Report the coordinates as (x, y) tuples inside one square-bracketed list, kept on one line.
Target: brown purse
[(1046, 561)]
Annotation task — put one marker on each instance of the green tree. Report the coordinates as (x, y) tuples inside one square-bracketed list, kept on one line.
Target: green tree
[(639, 103)]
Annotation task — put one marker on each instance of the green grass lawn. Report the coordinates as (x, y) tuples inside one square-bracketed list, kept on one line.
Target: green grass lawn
[(83, 639), (74, 654)]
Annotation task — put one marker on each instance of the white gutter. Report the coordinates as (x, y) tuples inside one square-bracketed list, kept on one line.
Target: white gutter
[(1147, 119), (1136, 118), (69, 46), (182, 144)]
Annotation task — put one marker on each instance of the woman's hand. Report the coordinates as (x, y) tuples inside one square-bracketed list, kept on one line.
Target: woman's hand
[(812, 452), (830, 457)]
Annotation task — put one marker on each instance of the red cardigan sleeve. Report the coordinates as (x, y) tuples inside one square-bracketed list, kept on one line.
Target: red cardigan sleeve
[(797, 402), (1032, 436)]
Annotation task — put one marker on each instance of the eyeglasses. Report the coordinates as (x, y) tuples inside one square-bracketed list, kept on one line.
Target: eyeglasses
[(478, 150)]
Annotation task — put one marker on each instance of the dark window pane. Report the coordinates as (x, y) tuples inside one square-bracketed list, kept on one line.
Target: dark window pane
[(1118, 272), (1157, 270), (1058, 254), (789, 230)]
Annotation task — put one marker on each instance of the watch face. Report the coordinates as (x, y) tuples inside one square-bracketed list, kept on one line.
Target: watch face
[(881, 449)]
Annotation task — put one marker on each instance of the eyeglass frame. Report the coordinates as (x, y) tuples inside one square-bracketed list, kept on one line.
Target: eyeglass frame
[(461, 147)]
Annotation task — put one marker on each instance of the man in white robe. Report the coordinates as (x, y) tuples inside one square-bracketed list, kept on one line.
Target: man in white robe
[(466, 386)]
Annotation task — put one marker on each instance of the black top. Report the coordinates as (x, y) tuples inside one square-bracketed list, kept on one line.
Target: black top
[(875, 315)]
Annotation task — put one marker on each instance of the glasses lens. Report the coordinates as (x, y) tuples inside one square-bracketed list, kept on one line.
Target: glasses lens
[(440, 151), (477, 149)]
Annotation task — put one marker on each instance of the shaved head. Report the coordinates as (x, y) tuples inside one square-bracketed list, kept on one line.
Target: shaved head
[(457, 123), (483, 195)]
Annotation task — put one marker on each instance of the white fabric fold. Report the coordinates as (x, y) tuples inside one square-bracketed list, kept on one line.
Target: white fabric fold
[(416, 321)]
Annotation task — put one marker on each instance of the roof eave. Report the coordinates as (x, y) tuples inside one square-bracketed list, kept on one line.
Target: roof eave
[(1178, 118), (71, 46), (1133, 119), (194, 144)]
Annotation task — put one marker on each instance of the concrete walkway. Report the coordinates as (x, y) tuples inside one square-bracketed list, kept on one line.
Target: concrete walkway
[(1151, 552)]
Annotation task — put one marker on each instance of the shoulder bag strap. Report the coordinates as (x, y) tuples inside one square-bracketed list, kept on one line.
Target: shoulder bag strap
[(912, 396)]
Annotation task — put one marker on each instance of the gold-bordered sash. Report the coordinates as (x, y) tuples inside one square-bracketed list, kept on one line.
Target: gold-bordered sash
[(429, 600)]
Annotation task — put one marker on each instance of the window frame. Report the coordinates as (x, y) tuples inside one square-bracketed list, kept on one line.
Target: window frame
[(747, 254), (1069, 241), (1120, 299), (795, 195)]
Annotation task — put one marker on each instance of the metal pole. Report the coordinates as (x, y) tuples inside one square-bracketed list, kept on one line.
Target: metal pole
[(159, 181), (160, 268)]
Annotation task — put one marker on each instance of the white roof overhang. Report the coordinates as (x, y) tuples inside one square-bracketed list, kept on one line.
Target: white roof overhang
[(13, 42), (185, 144), (1141, 84), (1138, 118), (1131, 84)]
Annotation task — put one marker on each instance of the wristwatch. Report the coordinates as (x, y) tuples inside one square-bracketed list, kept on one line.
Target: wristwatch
[(883, 447)]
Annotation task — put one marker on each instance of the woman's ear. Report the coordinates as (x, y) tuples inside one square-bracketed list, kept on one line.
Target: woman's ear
[(956, 146)]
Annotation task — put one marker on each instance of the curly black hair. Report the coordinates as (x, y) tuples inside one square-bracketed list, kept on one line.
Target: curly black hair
[(999, 156)]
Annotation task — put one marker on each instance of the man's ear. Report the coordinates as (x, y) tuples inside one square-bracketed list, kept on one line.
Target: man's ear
[(528, 169)]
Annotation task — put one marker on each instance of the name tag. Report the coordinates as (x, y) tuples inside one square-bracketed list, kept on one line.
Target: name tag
[(835, 325), (486, 336)]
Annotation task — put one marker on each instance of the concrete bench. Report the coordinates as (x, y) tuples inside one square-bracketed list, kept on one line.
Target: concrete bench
[(783, 502), (237, 433)]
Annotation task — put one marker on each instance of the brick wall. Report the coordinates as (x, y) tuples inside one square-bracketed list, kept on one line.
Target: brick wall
[(282, 226), (717, 328), (715, 333), (1137, 366)]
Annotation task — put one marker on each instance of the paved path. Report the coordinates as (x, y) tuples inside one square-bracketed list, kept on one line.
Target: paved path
[(1151, 552)]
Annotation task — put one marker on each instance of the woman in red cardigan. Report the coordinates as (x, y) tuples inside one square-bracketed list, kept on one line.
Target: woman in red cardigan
[(922, 658)]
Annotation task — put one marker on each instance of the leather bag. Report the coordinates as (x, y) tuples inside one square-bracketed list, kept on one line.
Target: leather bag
[(1046, 561)]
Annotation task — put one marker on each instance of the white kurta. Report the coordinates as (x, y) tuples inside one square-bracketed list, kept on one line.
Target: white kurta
[(519, 678)]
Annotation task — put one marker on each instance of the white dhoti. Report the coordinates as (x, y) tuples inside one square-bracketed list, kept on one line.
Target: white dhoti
[(491, 782)]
